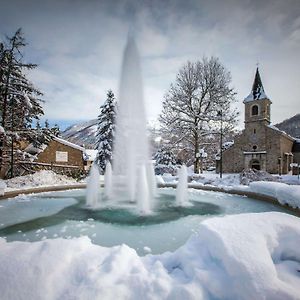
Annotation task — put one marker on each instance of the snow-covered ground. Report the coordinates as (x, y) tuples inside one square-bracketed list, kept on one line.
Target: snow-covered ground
[(38, 179), (247, 256)]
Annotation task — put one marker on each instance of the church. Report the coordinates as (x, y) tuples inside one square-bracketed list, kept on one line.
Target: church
[(260, 146)]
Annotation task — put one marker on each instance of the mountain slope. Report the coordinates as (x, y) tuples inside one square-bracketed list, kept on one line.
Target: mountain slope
[(82, 133), (291, 126)]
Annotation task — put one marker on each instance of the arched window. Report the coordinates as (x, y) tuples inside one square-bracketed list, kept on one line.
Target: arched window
[(254, 110)]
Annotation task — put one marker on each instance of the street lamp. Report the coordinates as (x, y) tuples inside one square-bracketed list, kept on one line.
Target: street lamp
[(220, 114), (202, 154)]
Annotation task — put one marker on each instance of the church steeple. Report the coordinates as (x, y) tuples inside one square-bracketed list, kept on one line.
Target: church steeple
[(257, 104), (257, 91)]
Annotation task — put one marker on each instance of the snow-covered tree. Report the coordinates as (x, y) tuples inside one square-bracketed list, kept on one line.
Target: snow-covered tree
[(106, 131), (194, 104), (55, 130), (20, 102), (165, 162)]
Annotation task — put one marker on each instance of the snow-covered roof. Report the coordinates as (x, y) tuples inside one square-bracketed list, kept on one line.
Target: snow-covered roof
[(260, 94), (257, 92), (34, 150), (67, 143), (90, 154), (281, 131)]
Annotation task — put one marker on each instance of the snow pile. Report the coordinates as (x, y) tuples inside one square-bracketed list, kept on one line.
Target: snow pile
[(248, 256), (285, 194), (2, 187), (41, 178), (215, 180), (251, 175)]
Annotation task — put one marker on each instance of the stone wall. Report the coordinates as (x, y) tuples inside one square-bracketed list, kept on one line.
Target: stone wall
[(256, 139)]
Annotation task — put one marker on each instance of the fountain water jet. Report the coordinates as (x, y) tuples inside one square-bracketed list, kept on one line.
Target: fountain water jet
[(108, 180), (182, 186), (93, 187), (131, 153), (143, 195)]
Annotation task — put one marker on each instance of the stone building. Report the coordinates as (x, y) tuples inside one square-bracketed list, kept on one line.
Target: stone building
[(64, 155), (260, 146)]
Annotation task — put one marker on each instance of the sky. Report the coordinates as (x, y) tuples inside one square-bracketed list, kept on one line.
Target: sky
[(78, 46)]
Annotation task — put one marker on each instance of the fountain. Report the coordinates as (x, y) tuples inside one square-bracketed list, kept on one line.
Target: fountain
[(108, 181), (93, 187), (131, 153), (182, 186)]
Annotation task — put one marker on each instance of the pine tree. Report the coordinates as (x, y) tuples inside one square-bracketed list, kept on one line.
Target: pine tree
[(106, 131), (55, 130), (20, 102), (165, 162)]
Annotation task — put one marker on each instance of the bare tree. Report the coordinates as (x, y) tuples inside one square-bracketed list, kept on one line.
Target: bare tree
[(194, 104)]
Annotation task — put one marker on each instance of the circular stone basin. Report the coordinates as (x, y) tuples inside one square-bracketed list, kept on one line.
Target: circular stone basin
[(65, 214)]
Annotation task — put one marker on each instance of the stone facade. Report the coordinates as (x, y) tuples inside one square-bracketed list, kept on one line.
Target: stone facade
[(260, 146), (61, 154)]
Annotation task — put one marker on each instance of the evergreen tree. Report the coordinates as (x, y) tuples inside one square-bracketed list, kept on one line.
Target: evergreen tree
[(55, 130), (20, 102), (165, 162), (106, 131)]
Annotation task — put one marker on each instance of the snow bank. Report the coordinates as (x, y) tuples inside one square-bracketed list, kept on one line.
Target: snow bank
[(2, 187), (284, 193), (41, 178), (247, 256), (214, 179)]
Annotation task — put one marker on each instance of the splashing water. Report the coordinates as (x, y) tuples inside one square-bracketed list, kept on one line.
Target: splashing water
[(108, 181), (182, 186), (93, 187)]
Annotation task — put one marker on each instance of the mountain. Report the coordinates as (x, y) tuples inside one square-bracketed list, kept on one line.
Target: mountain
[(82, 133), (291, 126)]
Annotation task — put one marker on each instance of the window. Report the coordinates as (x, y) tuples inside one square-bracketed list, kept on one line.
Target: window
[(254, 110), (254, 131), (254, 147), (61, 156)]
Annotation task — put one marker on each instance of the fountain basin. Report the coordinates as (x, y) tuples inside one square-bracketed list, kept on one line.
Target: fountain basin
[(65, 214)]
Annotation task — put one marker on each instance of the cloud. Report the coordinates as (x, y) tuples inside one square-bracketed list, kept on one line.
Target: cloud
[(79, 45)]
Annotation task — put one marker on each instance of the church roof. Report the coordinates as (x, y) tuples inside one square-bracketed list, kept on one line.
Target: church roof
[(257, 91)]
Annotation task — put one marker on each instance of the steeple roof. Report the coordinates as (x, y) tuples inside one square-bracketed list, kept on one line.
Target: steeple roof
[(258, 91)]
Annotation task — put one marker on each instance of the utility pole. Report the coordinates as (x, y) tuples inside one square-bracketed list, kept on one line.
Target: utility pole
[(220, 114)]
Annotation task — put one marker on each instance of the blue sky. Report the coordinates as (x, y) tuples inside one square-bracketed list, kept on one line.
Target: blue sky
[(78, 46)]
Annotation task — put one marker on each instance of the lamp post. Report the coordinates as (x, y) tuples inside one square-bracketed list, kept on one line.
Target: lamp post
[(220, 114), (202, 154)]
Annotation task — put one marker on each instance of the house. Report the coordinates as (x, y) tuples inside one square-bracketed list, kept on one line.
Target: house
[(60, 153), (260, 146)]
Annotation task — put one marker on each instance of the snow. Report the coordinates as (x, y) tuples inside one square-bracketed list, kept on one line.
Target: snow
[(247, 256), (211, 178), (281, 131), (40, 178), (90, 154), (67, 143), (2, 187), (260, 95), (284, 193)]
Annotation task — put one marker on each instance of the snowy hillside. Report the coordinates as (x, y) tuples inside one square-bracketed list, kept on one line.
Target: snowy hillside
[(82, 133), (291, 126), (85, 132)]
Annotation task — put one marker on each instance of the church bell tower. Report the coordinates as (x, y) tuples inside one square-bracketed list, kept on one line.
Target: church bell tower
[(257, 104)]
